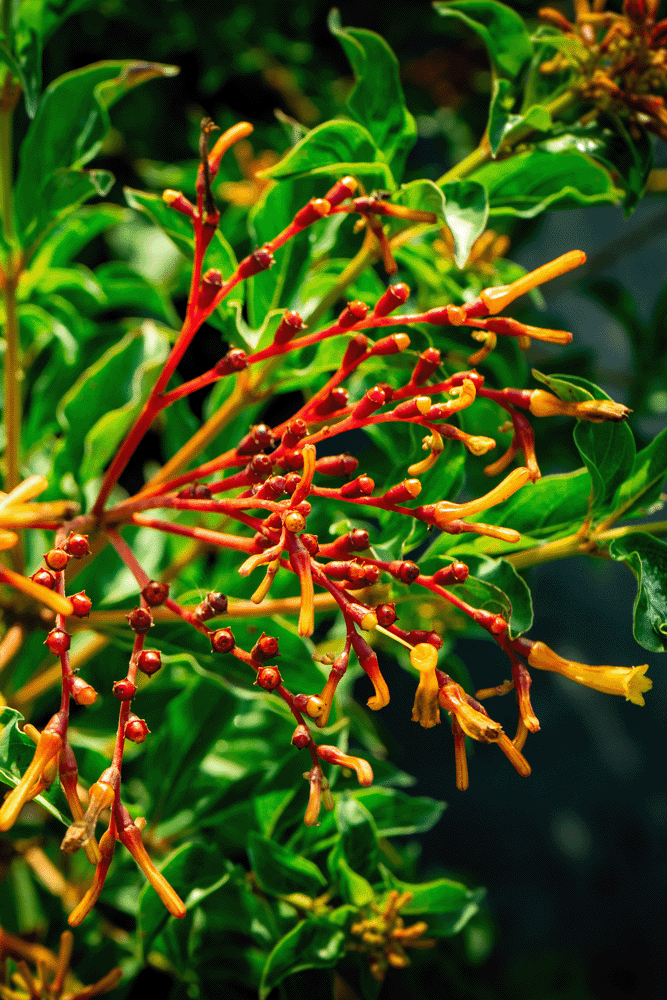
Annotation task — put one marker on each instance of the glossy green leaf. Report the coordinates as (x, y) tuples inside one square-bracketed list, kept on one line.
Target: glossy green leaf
[(354, 888), (449, 905), (67, 239), (463, 205), (607, 449), (312, 944), (647, 558), (280, 871), (528, 183), (502, 122), (640, 493), (398, 814), (502, 575), (377, 101), (95, 425), (178, 228), (358, 837), (66, 133), (501, 29), (331, 147), (193, 870)]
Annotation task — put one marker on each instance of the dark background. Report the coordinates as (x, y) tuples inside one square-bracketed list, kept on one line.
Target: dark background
[(574, 856)]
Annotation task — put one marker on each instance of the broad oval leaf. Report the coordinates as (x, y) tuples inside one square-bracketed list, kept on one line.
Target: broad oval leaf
[(312, 944), (280, 871), (501, 29), (647, 558)]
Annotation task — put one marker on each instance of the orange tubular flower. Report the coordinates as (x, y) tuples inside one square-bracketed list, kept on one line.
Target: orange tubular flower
[(37, 775), (597, 411), (446, 512), (130, 837), (101, 797), (629, 682), (363, 769), (107, 847), (424, 658), (479, 726)]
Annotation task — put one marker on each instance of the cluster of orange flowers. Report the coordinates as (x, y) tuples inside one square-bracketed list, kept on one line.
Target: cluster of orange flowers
[(620, 59)]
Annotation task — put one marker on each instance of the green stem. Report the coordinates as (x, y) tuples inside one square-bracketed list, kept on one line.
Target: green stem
[(576, 545)]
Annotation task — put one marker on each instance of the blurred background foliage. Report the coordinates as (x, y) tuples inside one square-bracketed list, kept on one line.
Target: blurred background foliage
[(574, 858)]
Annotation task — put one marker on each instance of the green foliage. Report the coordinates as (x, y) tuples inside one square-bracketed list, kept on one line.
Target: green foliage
[(265, 896)]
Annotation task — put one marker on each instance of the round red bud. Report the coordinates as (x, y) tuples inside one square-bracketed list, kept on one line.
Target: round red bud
[(140, 620), (155, 593), (310, 543), (217, 602), (136, 729), (81, 604), (124, 689), (58, 641), (301, 737), (269, 678), (77, 545), (223, 640), (44, 579), (149, 661), (265, 648), (386, 614), (56, 559)]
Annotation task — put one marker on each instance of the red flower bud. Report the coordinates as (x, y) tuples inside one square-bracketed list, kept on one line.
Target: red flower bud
[(270, 489), (269, 678), (301, 737), (234, 361), (292, 480), (394, 344), (81, 604), (149, 661), (296, 430), (290, 324), (405, 571), (136, 729), (258, 468), (77, 545), (337, 465), (353, 313), (418, 635), (198, 491), (56, 559), (386, 614), (342, 189), (44, 579), (394, 297), (457, 572), (316, 209), (356, 349), (294, 521), (124, 689), (140, 620), (155, 593), (372, 401), (222, 640), (336, 400), (265, 648), (260, 260), (58, 641), (407, 490), (211, 283), (429, 361), (362, 486), (310, 543)]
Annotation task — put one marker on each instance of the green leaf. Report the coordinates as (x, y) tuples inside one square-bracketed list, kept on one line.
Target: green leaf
[(335, 147), (377, 101), (503, 576), (67, 239), (67, 131), (463, 205), (188, 870), (312, 944), (647, 558), (398, 814), (640, 493), (353, 887), (502, 122), (501, 29), (358, 837), (607, 449), (450, 905), (126, 371), (528, 183), (280, 871)]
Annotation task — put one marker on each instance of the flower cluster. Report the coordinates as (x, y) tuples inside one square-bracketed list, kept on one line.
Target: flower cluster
[(267, 484), (53, 978), (383, 936), (620, 60)]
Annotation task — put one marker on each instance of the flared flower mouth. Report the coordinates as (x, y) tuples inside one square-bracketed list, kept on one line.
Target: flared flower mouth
[(629, 682)]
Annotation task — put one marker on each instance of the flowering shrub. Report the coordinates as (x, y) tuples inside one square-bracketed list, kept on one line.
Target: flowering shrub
[(321, 498)]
